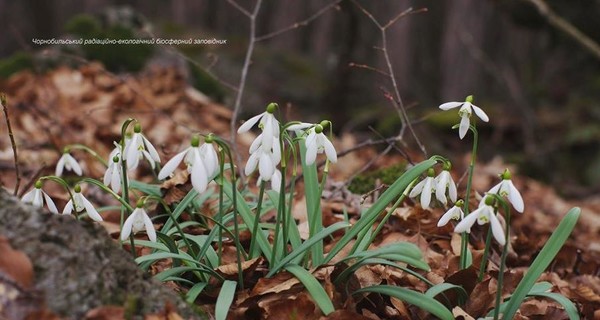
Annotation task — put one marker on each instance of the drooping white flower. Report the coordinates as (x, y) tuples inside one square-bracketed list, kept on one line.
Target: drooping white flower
[(112, 176), (483, 214), (317, 142), (298, 128), (202, 163), (465, 111), (445, 182), (275, 181), (507, 189), (454, 213), (265, 160), (80, 203), (136, 222), (425, 188), (139, 147), (67, 161), (36, 197), (268, 124)]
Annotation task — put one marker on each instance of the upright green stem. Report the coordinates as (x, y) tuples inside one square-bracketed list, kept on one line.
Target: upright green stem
[(465, 236), (502, 267), (486, 250), (261, 194), (221, 205)]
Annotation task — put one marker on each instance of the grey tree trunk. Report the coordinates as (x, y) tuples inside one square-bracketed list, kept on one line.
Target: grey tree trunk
[(78, 267)]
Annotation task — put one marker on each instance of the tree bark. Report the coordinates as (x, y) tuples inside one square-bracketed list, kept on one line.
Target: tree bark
[(78, 267)]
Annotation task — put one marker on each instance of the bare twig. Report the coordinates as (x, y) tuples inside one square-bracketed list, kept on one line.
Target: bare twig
[(299, 24), (13, 144), (364, 66), (564, 26), (244, 75), (397, 101)]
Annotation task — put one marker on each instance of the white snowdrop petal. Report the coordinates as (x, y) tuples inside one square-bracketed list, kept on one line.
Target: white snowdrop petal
[(252, 162), (91, 211), (249, 123), (480, 113), (276, 181), (417, 189), (256, 143), (440, 188), (150, 231), (450, 105), (514, 196), (311, 151), (464, 126), (199, 179), (276, 152), (51, 206), (151, 149), (127, 226), (60, 166), (497, 230), (267, 139), (115, 181), (172, 164), (107, 175), (265, 166), (38, 200), (447, 217), (329, 150), (28, 197), (68, 207), (73, 164), (452, 192), (466, 224), (426, 193)]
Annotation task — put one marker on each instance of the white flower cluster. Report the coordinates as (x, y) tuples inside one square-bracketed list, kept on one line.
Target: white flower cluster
[(438, 185)]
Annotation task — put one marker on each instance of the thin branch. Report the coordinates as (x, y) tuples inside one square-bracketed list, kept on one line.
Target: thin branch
[(563, 25), (243, 76), (364, 66), (241, 9), (397, 101), (13, 144), (299, 24)]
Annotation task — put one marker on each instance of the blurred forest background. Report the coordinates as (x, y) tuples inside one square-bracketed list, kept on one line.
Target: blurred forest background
[(540, 87)]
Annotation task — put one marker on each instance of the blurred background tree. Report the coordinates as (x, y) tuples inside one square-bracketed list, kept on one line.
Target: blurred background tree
[(540, 87)]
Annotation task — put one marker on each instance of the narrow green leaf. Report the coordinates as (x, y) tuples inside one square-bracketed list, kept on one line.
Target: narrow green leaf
[(293, 230), (313, 203), (164, 255), (194, 292), (415, 298), (542, 261), (306, 245), (445, 286), (169, 243), (313, 287), (370, 216), (149, 189), (248, 218), (225, 299), (570, 308), (161, 276), (185, 202)]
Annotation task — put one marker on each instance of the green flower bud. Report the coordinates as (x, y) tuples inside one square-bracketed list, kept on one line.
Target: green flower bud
[(506, 175), (489, 200), (325, 123), (447, 166), (195, 141), (137, 128), (459, 203), (115, 159), (209, 138), (77, 188), (430, 172), (38, 184), (318, 128), (140, 203), (272, 107), (469, 99)]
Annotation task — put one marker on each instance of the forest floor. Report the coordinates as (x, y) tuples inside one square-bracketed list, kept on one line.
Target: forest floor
[(88, 106)]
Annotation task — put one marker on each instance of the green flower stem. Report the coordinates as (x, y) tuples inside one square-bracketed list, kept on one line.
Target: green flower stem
[(488, 243), (253, 250), (124, 184), (502, 262), (88, 150), (239, 250), (465, 236), (221, 205)]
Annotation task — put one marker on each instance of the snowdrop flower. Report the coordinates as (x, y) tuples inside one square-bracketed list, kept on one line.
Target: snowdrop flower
[(268, 124), (37, 196), (317, 142), (265, 160), (299, 127), (455, 213), (138, 221), (445, 182), (80, 203), (507, 189), (275, 181), (67, 162), (483, 214), (112, 176), (425, 188), (139, 147), (202, 163), (465, 111)]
